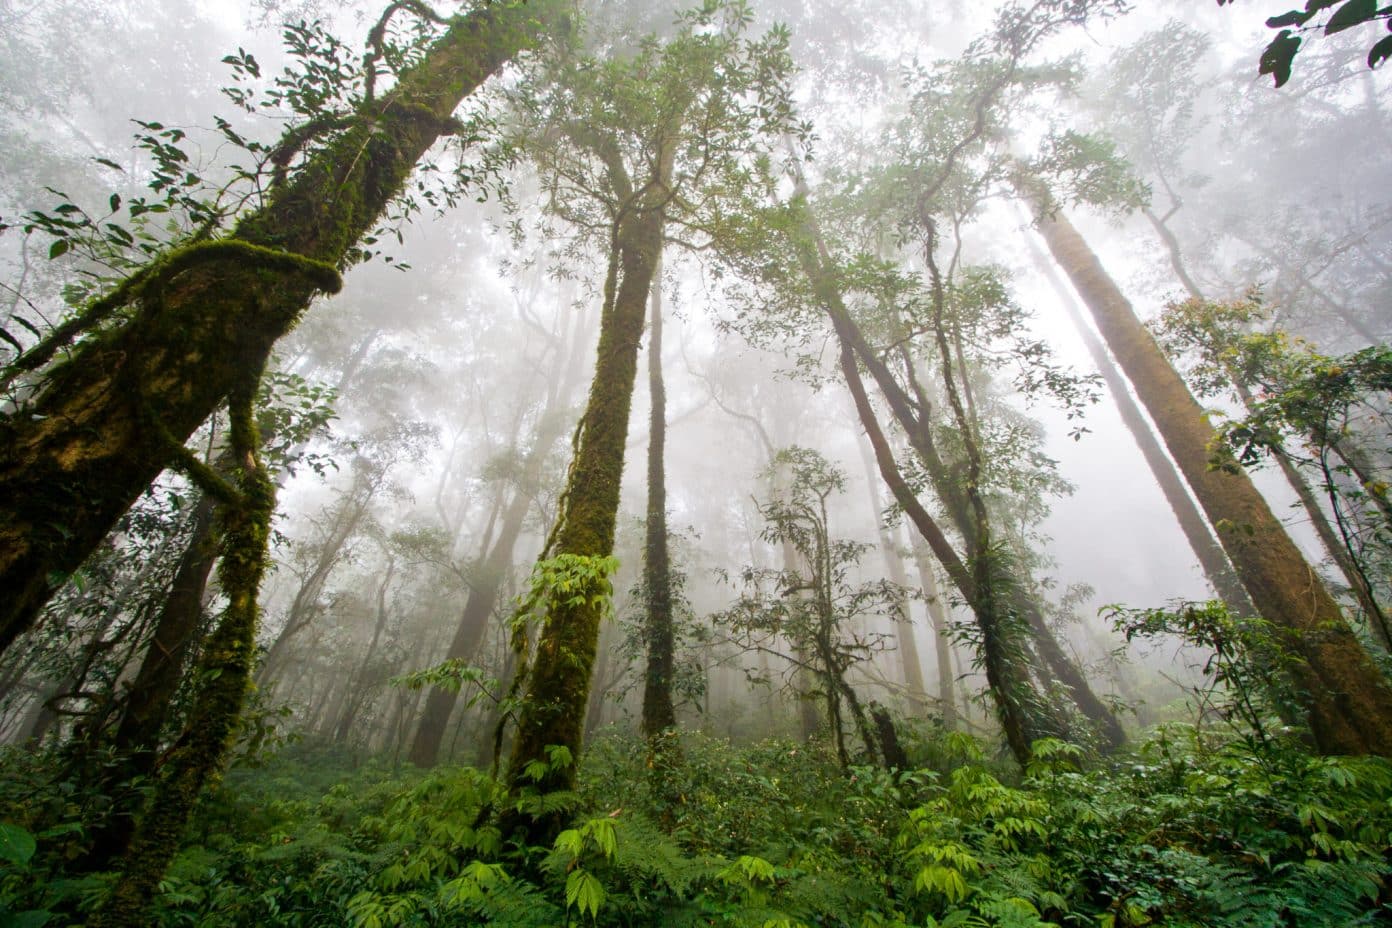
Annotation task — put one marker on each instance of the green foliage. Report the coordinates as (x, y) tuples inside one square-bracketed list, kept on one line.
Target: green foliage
[(1278, 57), (568, 581), (1190, 829)]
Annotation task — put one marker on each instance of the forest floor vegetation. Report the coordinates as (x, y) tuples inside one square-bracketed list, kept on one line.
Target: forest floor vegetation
[(1185, 829)]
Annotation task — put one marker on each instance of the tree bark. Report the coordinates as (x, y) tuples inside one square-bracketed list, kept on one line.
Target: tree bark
[(1349, 704), (658, 711), (103, 423)]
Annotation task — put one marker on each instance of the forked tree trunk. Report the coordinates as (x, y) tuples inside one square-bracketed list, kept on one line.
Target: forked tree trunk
[(1349, 703), (107, 420)]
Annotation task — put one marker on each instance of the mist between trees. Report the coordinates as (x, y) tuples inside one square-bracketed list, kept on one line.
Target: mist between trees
[(538, 462)]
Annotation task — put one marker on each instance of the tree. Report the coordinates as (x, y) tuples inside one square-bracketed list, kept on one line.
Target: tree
[(658, 711), (815, 608), (628, 145), (158, 353), (1346, 698)]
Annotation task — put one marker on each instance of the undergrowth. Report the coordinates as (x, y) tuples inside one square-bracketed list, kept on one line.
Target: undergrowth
[(1185, 830)]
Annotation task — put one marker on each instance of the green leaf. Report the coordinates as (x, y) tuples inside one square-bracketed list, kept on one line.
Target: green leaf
[(1351, 14), (58, 248), (1380, 52), (1292, 18), (115, 202), (584, 892), (1276, 58), (16, 845)]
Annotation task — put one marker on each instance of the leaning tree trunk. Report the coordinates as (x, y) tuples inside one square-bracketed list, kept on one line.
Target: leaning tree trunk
[(1206, 548), (1349, 703), (104, 422), (1333, 543), (658, 711)]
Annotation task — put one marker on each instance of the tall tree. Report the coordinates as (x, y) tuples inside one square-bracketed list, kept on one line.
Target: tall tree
[(1346, 698), (658, 711), (628, 143), (1206, 548)]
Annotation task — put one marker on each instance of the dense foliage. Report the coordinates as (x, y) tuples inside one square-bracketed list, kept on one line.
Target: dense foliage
[(1191, 828)]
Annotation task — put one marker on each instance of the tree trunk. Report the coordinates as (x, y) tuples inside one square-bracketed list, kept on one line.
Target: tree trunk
[(105, 422), (1191, 521), (658, 712), (558, 680), (1348, 702), (909, 661)]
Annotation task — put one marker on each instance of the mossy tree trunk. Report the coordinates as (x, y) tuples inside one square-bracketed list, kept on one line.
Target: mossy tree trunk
[(557, 682), (223, 675), (104, 422), (1347, 700)]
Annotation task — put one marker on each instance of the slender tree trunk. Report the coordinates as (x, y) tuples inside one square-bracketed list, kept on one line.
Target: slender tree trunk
[(1348, 702), (909, 661), (937, 617), (105, 422), (658, 712)]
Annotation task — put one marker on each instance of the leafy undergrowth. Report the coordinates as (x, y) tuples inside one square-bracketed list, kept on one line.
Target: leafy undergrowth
[(1179, 832)]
